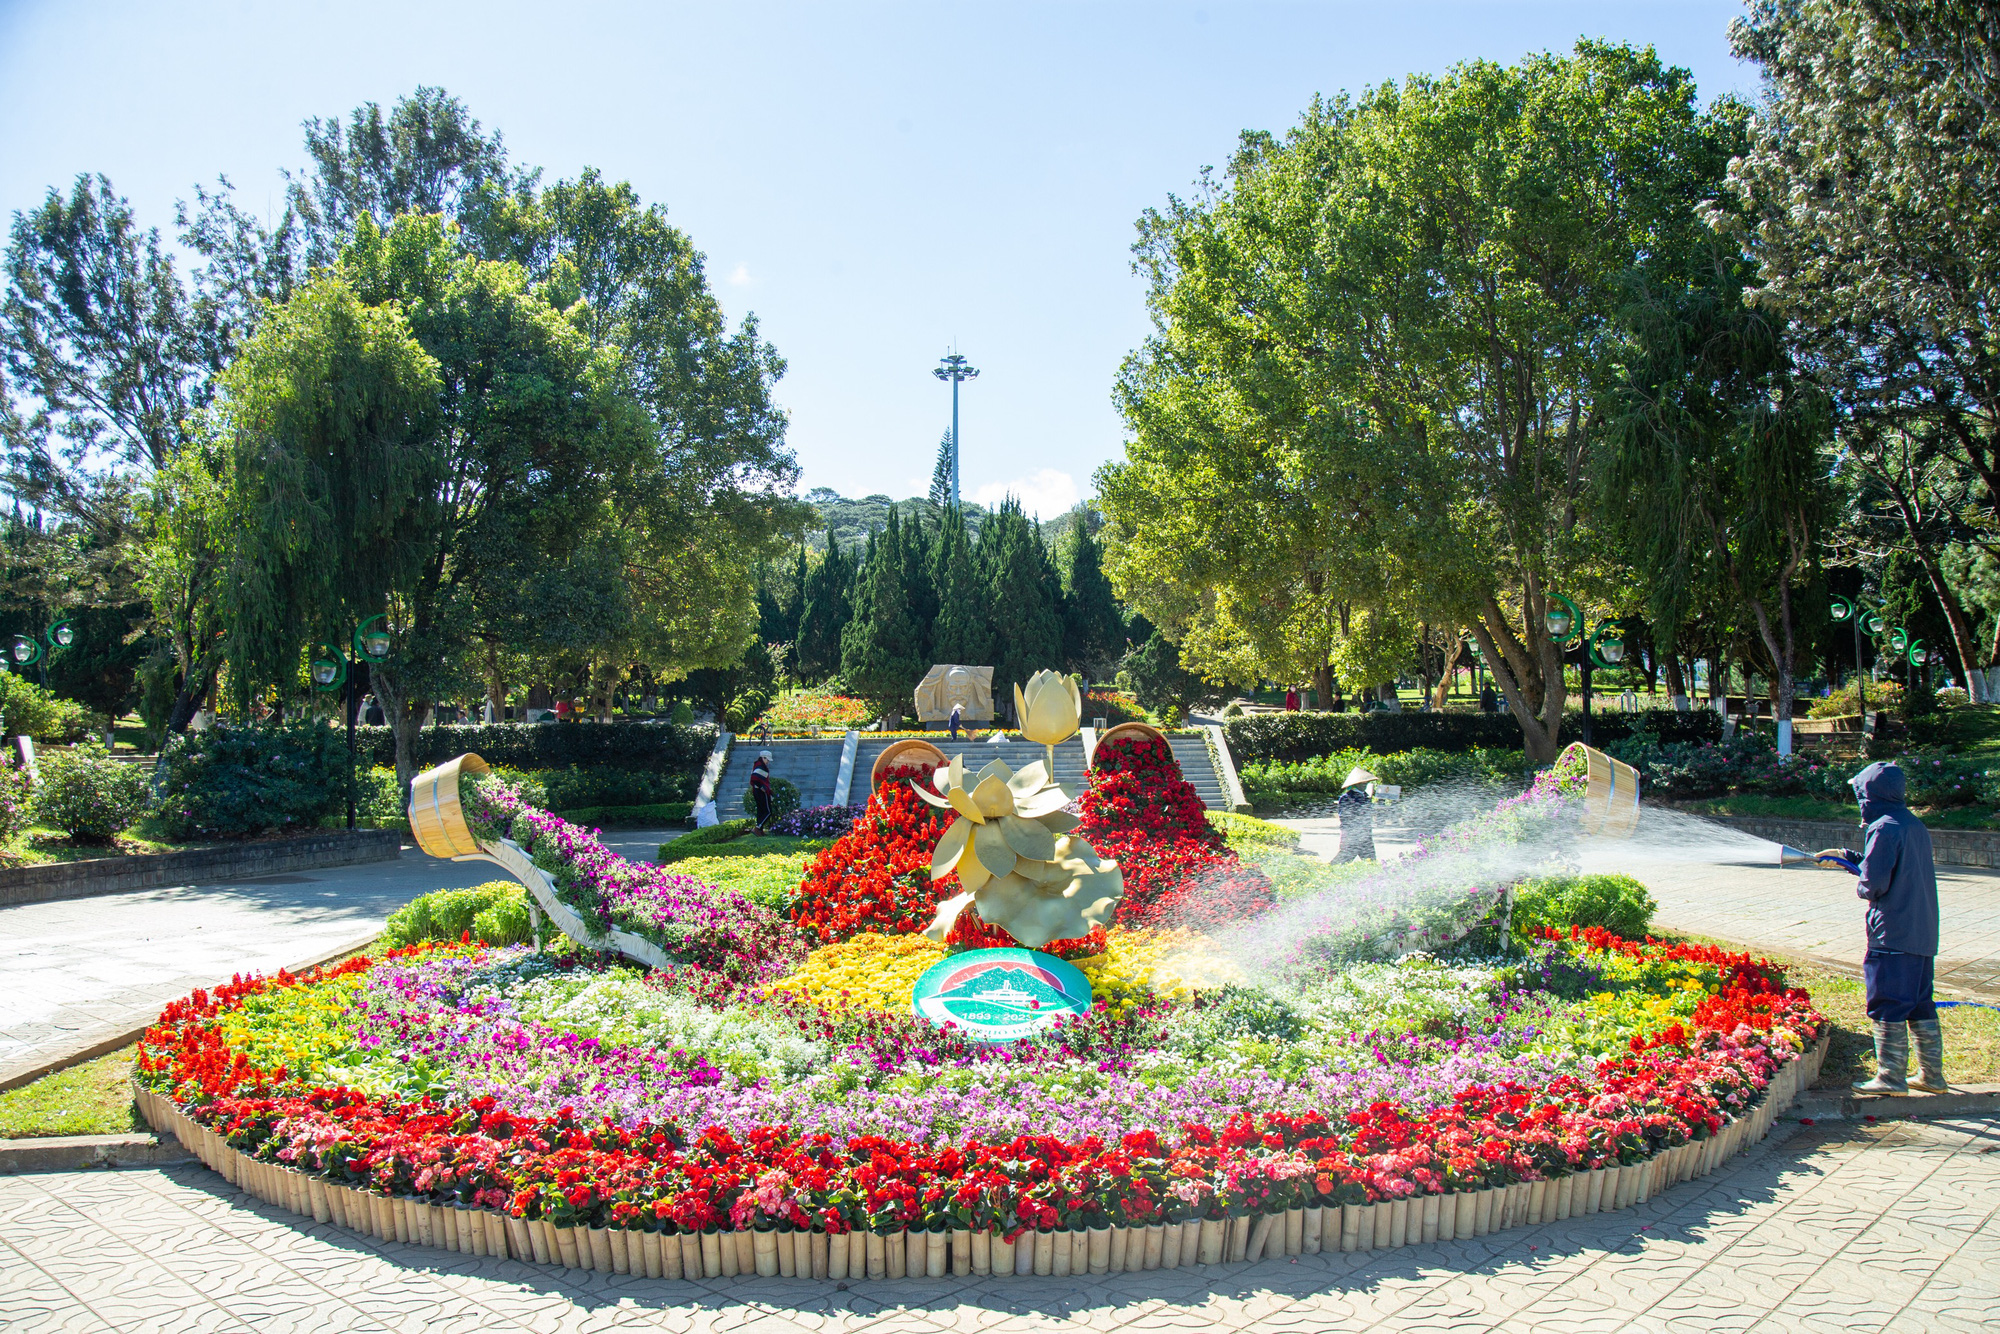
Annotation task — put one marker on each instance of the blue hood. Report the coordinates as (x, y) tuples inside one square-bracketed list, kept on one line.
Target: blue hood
[(1880, 786)]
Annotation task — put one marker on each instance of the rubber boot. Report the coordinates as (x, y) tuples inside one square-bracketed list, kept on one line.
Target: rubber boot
[(1892, 1061), (1928, 1038)]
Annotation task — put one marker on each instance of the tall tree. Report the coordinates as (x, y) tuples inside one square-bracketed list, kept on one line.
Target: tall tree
[(1717, 456), (1022, 596), (941, 475), (881, 655), (825, 614), (1381, 347), (1874, 180), (1093, 630), (919, 589), (962, 634)]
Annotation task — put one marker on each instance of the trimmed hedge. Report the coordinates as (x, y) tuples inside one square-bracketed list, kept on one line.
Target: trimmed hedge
[(657, 813), (1303, 736), (692, 843), (674, 747)]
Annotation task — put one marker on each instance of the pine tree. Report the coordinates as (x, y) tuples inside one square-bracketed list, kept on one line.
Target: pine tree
[(1024, 601), (918, 585), (1093, 630), (962, 634), (825, 613), (881, 649), (941, 492)]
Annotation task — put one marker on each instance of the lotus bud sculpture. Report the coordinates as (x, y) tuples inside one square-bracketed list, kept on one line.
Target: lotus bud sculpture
[(1021, 868), (1049, 711)]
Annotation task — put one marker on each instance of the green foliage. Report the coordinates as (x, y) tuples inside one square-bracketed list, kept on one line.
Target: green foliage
[(1615, 902), (1023, 600), (881, 648), (495, 912), (87, 794), (28, 710), (1093, 628), (631, 817), (231, 782), (576, 786), (826, 611), (698, 842), (784, 798), (1326, 775), (17, 801), (770, 879), (1246, 832), (1152, 671), (1882, 695), (1300, 736), (963, 632), (662, 747)]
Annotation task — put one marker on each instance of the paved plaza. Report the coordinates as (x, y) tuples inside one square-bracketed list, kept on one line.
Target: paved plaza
[(1831, 1227)]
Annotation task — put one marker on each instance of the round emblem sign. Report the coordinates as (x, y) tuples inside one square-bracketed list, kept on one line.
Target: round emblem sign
[(1000, 995)]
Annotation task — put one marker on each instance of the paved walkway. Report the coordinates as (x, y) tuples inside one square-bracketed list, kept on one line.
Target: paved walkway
[(77, 972), (1893, 1228)]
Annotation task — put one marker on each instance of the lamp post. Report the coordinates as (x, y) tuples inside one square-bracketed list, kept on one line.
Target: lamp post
[(1850, 612), (330, 671), (955, 369), (1603, 647)]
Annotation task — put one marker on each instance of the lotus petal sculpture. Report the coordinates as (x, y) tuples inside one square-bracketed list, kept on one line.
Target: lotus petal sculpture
[(1011, 845)]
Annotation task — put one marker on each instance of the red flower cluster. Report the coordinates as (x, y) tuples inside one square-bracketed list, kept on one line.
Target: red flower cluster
[(877, 876), (1179, 870)]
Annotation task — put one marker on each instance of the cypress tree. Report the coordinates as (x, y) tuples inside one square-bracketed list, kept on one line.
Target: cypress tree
[(1093, 631), (880, 649), (962, 634), (918, 585), (825, 614), (1024, 598)]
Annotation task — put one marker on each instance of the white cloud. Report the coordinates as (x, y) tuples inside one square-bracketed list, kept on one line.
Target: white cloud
[(1044, 493), (740, 276)]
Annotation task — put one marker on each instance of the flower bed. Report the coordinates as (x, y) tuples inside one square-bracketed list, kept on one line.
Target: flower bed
[(769, 1104)]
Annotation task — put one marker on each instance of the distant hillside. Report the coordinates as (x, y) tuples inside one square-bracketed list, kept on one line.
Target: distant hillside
[(851, 521)]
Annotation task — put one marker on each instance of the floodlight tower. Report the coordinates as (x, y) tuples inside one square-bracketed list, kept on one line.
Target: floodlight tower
[(954, 368)]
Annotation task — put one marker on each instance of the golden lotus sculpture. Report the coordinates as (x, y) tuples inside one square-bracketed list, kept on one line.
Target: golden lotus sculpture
[(1020, 866)]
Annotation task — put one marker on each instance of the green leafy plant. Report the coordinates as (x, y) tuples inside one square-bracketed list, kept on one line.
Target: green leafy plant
[(87, 794), (495, 912), (1615, 902), (232, 782), (784, 798), (28, 710), (688, 844)]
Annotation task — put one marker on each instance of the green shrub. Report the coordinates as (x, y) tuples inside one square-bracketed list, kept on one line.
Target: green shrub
[(632, 817), (1884, 694), (686, 844), (663, 747), (29, 710), (784, 798), (1276, 783), (495, 912), (1245, 832), (1615, 902), (231, 782), (17, 801), (87, 794), (1302, 736), (578, 786)]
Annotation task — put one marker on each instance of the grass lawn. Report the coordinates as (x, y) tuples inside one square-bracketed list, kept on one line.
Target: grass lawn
[(94, 1098), (1971, 1032)]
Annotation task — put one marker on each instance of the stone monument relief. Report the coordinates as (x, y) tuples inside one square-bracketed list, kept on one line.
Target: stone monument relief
[(945, 685)]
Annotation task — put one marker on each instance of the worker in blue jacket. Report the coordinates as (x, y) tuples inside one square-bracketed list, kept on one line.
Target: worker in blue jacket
[(1899, 884)]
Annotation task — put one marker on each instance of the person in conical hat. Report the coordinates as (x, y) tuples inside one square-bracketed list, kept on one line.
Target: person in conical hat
[(1357, 818)]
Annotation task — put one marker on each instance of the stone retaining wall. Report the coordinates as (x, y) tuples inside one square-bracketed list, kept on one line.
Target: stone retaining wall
[(238, 861), (1949, 847)]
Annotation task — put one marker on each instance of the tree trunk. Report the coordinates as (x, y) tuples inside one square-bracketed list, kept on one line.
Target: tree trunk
[(404, 722), (1677, 689), (1323, 687), (1539, 739)]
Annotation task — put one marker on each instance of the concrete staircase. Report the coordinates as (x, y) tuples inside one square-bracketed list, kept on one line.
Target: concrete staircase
[(1198, 767), (811, 763), (814, 765), (978, 754)]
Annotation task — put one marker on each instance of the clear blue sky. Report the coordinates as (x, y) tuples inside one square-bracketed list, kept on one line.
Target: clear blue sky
[(873, 181)]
